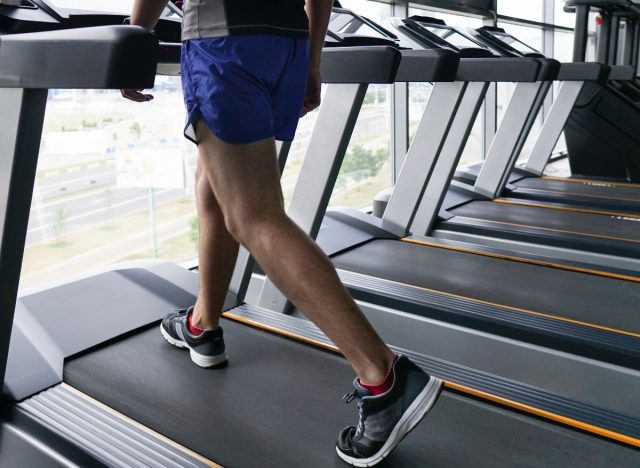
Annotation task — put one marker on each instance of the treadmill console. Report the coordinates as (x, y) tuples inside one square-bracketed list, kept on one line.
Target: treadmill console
[(504, 43), (433, 33), (45, 15), (26, 16), (347, 28)]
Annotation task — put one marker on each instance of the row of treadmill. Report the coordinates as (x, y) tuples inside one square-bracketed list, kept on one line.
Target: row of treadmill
[(521, 291)]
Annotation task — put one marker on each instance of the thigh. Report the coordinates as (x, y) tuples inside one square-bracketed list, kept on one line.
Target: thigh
[(245, 177)]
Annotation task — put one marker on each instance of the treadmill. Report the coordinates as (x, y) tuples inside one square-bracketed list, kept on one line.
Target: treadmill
[(527, 182), (597, 148), (446, 292), (603, 239), (89, 381)]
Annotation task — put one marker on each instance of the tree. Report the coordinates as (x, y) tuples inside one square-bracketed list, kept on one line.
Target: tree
[(60, 218), (136, 130)]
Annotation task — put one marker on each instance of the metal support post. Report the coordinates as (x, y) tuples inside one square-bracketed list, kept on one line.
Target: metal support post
[(327, 148), (400, 125), (490, 110), (635, 44), (245, 264), (422, 155), (614, 33), (399, 110), (553, 126), (581, 33), (20, 133), (629, 34), (536, 108), (452, 150), (604, 34), (515, 126)]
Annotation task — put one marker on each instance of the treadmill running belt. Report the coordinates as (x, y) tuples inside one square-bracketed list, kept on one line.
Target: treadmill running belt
[(579, 296), (606, 227), (278, 404), (586, 188)]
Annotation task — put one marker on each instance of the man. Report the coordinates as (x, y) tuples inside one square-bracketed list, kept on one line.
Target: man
[(250, 69)]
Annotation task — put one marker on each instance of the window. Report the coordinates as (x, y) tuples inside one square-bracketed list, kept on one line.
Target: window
[(114, 183), (529, 9)]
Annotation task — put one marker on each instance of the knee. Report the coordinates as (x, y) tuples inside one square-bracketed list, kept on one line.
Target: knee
[(249, 225)]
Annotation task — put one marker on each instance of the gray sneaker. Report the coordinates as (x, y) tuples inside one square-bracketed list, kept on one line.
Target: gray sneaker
[(384, 420), (206, 349)]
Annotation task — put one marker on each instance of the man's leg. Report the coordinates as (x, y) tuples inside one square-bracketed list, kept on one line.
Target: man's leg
[(246, 183), (217, 253)]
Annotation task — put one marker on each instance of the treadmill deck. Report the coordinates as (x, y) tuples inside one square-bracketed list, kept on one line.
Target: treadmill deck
[(277, 403)]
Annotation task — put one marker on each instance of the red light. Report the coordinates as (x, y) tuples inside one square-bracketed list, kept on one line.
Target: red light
[(599, 20)]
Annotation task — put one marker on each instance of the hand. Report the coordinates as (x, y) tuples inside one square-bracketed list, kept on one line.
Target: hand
[(136, 95), (312, 94)]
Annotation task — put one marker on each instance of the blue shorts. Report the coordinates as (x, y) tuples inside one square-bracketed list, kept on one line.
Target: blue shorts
[(245, 88)]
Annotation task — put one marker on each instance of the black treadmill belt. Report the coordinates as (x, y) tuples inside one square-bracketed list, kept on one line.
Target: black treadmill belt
[(278, 404), (586, 188), (579, 296), (609, 228)]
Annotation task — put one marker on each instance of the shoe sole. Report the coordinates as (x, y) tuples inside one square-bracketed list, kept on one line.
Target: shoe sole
[(409, 420), (201, 360)]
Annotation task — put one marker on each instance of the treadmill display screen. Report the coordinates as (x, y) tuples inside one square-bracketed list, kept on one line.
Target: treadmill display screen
[(513, 42), (452, 36), (344, 23)]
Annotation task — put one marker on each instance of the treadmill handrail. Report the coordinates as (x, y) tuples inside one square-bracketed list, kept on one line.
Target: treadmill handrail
[(622, 72), (499, 69), (105, 57), (583, 71), (428, 65), (549, 69), (378, 64)]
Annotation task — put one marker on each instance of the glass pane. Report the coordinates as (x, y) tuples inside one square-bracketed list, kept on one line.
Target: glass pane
[(114, 183), (375, 11), (419, 94), (563, 46), (367, 166), (529, 9), (366, 169), (561, 17)]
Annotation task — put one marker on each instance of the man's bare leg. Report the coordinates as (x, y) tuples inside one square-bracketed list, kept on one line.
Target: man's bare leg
[(246, 183), (217, 253)]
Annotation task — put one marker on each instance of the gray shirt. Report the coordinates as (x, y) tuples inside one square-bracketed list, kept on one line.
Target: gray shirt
[(215, 18)]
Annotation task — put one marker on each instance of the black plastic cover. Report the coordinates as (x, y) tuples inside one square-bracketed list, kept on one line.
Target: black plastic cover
[(604, 4), (549, 69), (428, 65), (106, 57), (498, 69), (360, 64), (622, 73), (581, 71)]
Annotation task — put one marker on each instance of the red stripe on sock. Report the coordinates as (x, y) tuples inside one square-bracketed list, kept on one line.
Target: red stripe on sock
[(193, 329)]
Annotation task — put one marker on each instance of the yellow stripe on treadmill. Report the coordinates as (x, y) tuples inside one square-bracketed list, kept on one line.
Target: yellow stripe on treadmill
[(562, 231), (590, 181), (462, 388), (515, 309), (142, 427), (545, 414), (558, 266), (584, 195), (564, 208)]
